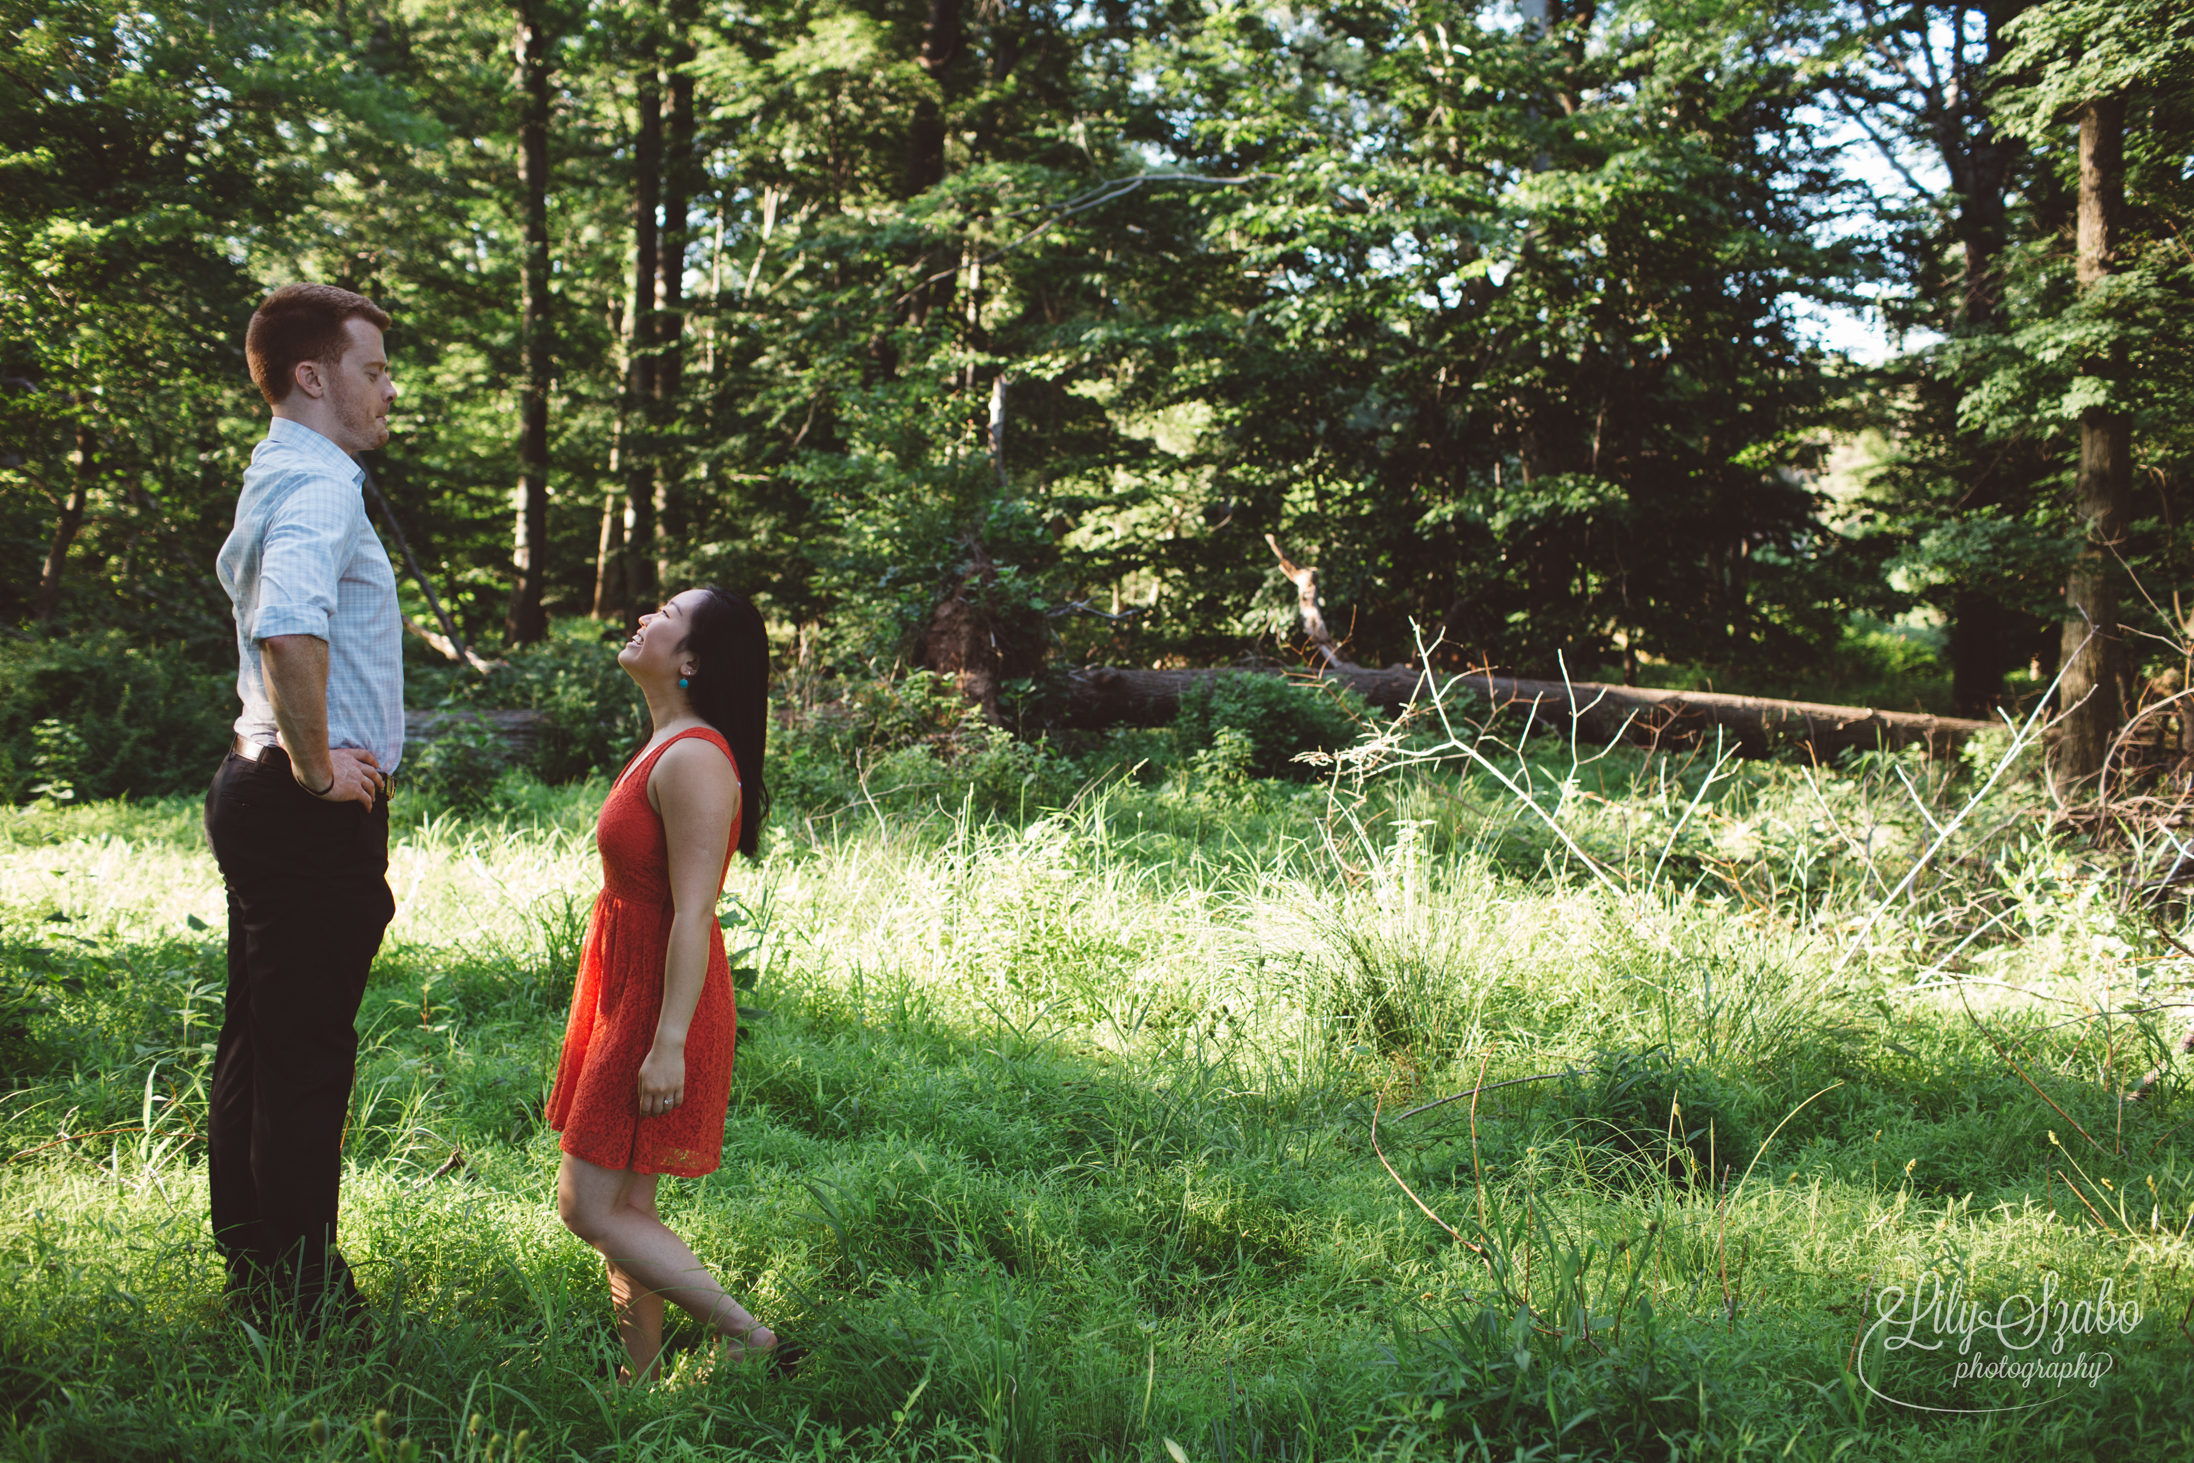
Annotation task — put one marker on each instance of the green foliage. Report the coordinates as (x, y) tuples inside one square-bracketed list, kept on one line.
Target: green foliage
[(2066, 53), (1890, 665), (593, 716), (1494, 323), (911, 738), (99, 716), (883, 713), (1975, 497), (1500, 325), (152, 149), (1243, 722), (457, 767)]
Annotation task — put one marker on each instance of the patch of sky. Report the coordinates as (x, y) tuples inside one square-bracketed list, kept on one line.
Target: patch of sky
[(1888, 179), (1402, 256), (1156, 157), (135, 35), (1894, 174), (1081, 19), (1509, 19)]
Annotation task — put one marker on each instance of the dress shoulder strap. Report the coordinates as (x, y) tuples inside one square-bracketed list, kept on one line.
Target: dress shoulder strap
[(644, 763)]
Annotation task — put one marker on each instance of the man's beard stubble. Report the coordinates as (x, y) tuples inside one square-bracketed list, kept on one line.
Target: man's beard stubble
[(361, 421)]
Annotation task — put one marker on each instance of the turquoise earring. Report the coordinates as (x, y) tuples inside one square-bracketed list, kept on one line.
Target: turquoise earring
[(683, 683)]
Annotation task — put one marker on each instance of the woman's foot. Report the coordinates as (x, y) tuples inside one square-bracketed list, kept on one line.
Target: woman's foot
[(756, 1343), (631, 1374)]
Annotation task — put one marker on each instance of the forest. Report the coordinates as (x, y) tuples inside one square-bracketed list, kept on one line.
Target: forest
[(1509, 321), (1694, 891)]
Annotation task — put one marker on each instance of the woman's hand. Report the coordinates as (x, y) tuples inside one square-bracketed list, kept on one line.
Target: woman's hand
[(662, 1079)]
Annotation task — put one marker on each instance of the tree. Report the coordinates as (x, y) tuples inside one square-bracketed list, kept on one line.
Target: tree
[(1005, 313), (682, 180), (141, 139), (1916, 78), (2102, 64), (527, 621), (2092, 691)]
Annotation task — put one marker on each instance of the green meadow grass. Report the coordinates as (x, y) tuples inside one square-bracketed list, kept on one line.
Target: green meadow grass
[(1056, 1138)]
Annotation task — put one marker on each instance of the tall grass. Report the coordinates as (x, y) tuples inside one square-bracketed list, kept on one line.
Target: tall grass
[(1057, 1140)]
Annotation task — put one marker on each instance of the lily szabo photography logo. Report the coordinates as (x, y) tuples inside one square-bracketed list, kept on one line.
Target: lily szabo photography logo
[(1939, 1348)]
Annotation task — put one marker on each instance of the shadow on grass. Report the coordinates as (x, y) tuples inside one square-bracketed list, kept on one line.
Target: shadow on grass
[(1003, 1237)]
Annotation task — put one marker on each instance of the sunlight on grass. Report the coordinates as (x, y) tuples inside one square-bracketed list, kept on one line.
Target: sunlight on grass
[(1052, 1137)]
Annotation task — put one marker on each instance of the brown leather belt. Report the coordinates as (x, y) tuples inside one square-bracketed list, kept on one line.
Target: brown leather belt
[(250, 751)]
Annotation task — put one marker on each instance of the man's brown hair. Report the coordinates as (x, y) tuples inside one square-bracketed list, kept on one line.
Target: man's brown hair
[(301, 322)]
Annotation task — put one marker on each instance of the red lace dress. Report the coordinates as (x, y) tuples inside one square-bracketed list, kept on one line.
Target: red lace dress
[(596, 1104)]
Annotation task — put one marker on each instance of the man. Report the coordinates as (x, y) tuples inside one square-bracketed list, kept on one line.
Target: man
[(298, 813)]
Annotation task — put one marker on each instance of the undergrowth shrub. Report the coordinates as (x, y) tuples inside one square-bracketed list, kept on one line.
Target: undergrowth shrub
[(458, 767), (1488, 1384), (920, 708), (909, 736), (93, 717), (1270, 718), (1653, 1114), (881, 735), (1890, 664), (593, 717)]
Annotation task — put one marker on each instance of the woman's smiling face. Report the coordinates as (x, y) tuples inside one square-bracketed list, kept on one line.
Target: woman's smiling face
[(656, 651)]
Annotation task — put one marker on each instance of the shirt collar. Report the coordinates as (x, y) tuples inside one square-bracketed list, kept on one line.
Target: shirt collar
[(301, 438)]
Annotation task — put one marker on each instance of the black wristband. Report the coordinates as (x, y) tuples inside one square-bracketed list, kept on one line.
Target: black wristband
[(323, 792)]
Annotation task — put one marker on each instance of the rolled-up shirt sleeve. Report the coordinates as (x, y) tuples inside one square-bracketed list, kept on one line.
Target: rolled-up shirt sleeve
[(308, 541)]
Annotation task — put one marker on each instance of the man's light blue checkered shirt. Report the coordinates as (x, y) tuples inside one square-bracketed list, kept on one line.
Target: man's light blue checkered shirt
[(303, 560)]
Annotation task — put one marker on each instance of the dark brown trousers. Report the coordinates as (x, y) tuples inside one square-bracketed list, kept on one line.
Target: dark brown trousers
[(308, 900)]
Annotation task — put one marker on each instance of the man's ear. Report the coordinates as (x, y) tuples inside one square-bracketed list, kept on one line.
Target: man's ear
[(309, 380)]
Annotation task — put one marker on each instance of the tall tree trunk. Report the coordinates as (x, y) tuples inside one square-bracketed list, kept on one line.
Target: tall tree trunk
[(639, 444), (607, 580), (2092, 688), (680, 166), (1984, 632), (48, 603), (942, 43), (526, 621), (941, 39)]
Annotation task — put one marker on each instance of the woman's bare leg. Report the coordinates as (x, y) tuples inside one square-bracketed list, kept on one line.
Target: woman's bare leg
[(614, 1211), (639, 1310), (639, 1323)]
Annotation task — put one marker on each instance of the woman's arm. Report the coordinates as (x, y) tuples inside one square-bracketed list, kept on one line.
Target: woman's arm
[(694, 790)]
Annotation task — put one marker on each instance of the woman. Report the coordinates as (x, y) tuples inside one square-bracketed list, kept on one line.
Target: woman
[(646, 1070)]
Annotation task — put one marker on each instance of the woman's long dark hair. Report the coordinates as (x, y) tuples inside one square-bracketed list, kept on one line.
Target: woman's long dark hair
[(730, 691)]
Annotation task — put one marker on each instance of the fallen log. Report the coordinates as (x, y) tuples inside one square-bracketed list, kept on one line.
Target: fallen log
[(1101, 696), (518, 731)]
